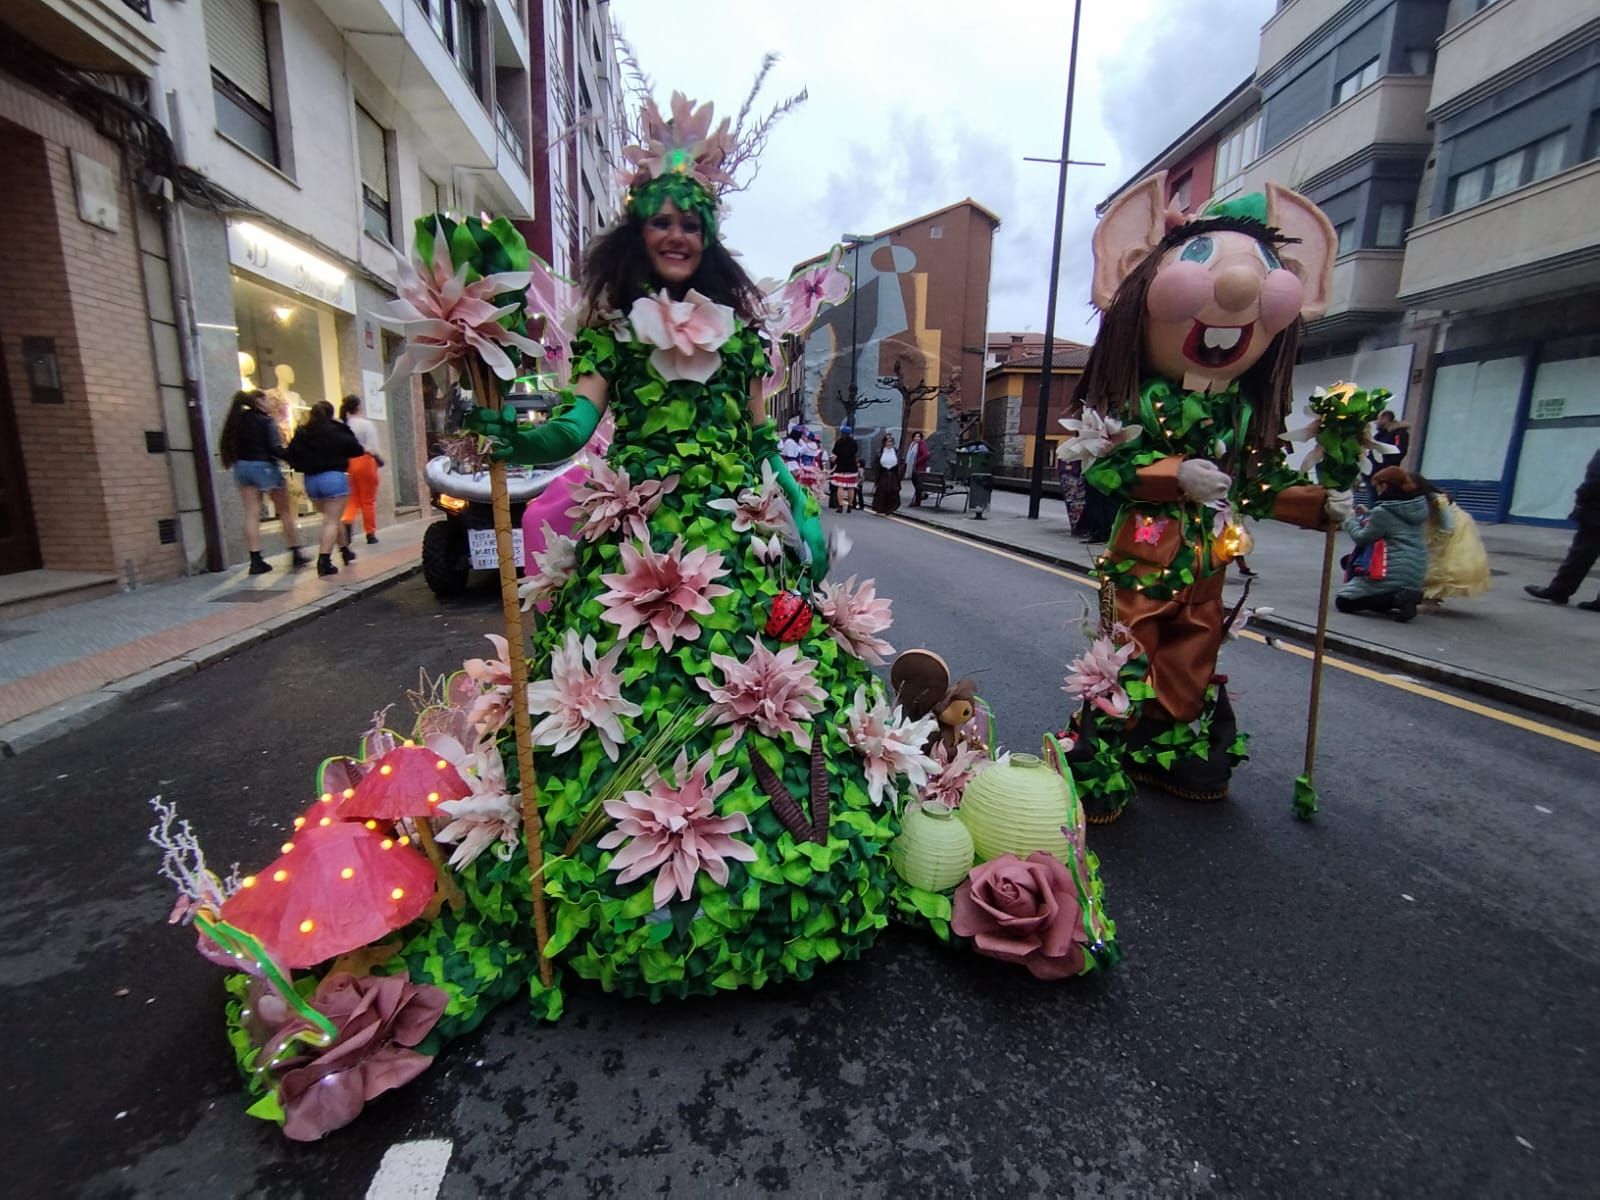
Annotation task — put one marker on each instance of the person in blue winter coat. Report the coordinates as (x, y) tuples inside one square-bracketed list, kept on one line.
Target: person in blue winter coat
[(1400, 519)]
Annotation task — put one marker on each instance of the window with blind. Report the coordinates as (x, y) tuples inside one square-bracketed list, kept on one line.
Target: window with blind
[(372, 153), (241, 75)]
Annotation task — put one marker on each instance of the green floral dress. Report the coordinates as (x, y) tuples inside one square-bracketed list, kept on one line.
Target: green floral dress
[(787, 904)]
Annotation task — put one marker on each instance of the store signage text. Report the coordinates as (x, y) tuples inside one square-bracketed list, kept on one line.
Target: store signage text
[(264, 253)]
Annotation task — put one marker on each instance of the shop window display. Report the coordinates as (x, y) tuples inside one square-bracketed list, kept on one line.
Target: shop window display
[(283, 341)]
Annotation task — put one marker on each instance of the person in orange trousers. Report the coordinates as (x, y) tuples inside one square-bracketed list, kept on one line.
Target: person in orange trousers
[(363, 471)]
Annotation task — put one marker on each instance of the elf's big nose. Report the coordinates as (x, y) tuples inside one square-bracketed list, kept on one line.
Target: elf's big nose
[(1236, 287)]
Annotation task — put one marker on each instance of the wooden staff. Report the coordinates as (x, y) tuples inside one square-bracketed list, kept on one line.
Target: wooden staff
[(487, 395), (1316, 656)]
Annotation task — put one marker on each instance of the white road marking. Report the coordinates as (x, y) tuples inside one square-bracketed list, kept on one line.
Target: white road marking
[(411, 1170), (1407, 897), (1537, 807)]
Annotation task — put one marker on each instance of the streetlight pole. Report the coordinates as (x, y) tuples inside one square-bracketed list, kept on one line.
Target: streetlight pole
[(855, 241), (1046, 370)]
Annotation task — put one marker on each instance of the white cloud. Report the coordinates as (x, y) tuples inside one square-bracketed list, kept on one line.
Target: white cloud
[(915, 105)]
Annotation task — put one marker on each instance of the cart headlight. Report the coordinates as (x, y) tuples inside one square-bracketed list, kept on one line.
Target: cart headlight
[(452, 504)]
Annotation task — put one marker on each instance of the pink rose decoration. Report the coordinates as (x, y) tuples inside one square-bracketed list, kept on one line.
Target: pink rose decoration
[(1023, 912), (687, 333)]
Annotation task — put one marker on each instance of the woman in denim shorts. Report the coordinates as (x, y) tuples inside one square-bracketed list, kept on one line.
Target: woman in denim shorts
[(321, 450), (250, 447)]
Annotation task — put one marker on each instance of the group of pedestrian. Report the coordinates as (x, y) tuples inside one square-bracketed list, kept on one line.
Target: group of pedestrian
[(338, 457)]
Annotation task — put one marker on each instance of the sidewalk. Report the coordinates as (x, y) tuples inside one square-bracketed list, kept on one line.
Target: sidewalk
[(63, 668), (1504, 644)]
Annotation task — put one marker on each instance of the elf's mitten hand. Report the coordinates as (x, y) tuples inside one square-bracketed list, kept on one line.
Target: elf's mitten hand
[(1203, 481), (1337, 506)]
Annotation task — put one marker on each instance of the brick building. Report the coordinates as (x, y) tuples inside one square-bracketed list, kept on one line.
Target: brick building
[(1011, 403), (922, 302)]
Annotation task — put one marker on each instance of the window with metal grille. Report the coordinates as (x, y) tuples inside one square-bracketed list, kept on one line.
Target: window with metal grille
[(372, 152), (241, 75)]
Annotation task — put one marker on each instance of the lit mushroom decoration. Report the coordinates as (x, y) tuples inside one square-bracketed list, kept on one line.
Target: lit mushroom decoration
[(409, 782), (335, 888)]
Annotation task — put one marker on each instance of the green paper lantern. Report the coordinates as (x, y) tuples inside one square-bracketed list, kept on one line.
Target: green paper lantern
[(934, 850), (1019, 807)]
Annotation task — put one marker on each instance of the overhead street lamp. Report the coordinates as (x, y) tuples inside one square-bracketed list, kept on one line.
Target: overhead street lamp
[(855, 242)]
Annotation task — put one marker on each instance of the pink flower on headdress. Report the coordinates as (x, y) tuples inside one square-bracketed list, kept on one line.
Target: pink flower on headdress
[(682, 145), (663, 591), (445, 318), (1094, 676), (687, 333), (608, 501), (855, 617), (583, 692), (770, 693), (671, 827)]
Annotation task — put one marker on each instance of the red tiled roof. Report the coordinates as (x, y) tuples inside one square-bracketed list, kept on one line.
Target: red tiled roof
[(1065, 356)]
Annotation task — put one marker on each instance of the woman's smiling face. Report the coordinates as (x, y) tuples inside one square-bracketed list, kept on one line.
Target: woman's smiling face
[(674, 242)]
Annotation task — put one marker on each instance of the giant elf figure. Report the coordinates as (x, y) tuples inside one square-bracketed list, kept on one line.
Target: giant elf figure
[(1183, 402)]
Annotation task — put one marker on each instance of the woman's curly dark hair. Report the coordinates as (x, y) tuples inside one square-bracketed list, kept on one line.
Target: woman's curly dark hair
[(616, 272), (240, 409)]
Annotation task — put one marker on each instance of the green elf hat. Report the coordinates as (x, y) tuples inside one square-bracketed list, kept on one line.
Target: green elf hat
[(1251, 207)]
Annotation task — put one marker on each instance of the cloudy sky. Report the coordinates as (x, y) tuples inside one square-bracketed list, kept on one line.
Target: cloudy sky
[(915, 105)]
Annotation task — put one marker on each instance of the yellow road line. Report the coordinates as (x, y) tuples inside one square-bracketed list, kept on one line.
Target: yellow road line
[(1404, 685)]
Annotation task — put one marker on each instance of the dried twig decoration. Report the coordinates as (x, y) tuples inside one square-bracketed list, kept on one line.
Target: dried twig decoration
[(820, 816)]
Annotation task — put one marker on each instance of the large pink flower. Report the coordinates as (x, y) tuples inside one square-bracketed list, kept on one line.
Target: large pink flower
[(764, 510), (608, 500), (554, 566), (890, 744), (583, 692), (687, 333), (1024, 912), (770, 693), (491, 707), (794, 306), (1094, 436), (952, 773), (663, 591), (671, 827), (1094, 675), (378, 1018), (855, 616), (490, 815), (445, 318)]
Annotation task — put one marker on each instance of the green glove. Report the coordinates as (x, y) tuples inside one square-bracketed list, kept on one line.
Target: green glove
[(807, 518), (557, 440)]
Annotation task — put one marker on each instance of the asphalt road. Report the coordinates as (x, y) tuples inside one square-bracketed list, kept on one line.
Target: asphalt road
[(1401, 998)]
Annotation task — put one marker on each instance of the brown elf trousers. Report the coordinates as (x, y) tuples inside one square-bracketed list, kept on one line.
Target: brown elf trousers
[(1181, 637)]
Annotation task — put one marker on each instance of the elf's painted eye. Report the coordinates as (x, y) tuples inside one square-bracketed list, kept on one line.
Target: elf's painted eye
[(1198, 250), (1267, 256)]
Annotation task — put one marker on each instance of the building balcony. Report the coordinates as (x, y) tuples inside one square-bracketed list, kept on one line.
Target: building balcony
[(113, 36), (1390, 112), (397, 40), (1540, 240), (1286, 29), (1506, 33), (1364, 292)]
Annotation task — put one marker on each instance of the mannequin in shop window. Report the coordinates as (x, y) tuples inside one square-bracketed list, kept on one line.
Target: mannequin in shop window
[(288, 410)]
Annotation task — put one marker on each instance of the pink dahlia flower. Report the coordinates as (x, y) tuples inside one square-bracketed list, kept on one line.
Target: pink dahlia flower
[(583, 692), (608, 501), (795, 304), (1093, 676), (671, 827), (687, 333), (491, 707), (952, 772), (445, 318), (890, 744), (554, 567), (855, 616), (490, 815), (772, 693), (663, 591), (1094, 436)]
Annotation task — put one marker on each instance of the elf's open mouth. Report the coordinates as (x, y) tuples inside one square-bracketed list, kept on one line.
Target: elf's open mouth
[(1217, 345)]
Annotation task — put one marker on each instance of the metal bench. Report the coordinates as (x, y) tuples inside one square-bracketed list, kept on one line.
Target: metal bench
[(938, 485)]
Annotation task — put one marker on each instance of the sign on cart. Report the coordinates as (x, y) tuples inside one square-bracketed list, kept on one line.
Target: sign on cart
[(485, 554)]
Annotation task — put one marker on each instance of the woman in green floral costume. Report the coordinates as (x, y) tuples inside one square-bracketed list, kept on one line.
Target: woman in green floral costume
[(672, 628)]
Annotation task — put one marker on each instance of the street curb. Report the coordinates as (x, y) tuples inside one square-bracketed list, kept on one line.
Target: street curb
[(1532, 699), (35, 729)]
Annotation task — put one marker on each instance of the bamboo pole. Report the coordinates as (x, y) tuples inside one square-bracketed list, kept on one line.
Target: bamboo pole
[(484, 390), (1316, 656)]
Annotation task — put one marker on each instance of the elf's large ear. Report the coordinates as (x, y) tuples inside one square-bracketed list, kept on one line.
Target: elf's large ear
[(1132, 227), (1312, 258)]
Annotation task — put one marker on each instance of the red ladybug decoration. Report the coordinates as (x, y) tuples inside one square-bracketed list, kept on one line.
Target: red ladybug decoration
[(791, 617)]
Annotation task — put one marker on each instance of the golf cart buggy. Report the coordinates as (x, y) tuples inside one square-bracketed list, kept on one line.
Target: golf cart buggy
[(458, 486)]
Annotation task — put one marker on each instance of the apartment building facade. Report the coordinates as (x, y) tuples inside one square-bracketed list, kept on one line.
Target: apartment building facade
[(1408, 121), (248, 234)]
